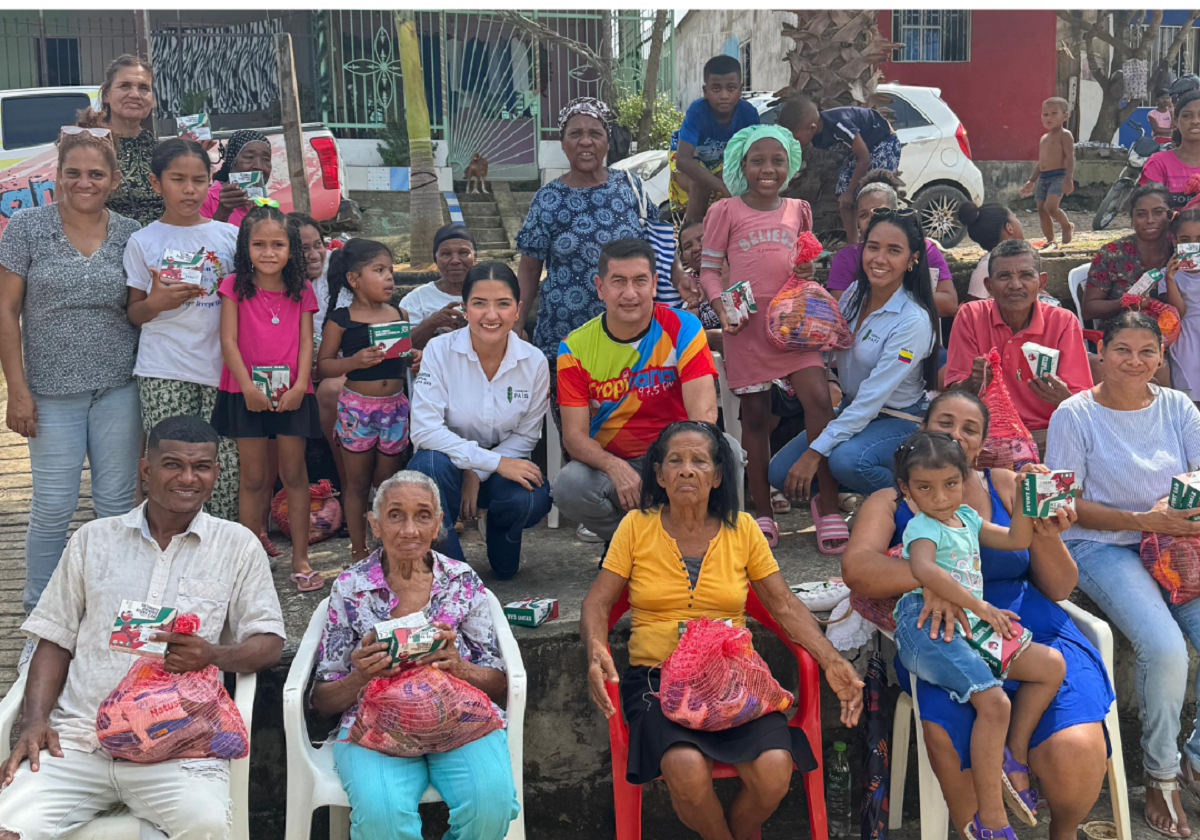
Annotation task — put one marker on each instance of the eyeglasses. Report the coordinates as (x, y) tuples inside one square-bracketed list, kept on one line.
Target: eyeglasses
[(889, 213), (75, 129)]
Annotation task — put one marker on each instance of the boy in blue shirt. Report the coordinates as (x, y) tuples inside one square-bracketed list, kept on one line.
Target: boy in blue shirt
[(709, 123), (864, 131)]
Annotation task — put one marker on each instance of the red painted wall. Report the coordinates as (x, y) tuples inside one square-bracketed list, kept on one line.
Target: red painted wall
[(998, 94)]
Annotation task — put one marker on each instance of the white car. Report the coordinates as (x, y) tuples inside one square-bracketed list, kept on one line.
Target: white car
[(935, 159)]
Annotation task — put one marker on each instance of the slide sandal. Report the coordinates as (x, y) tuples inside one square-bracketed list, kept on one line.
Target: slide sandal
[(829, 528), (305, 582), (770, 530)]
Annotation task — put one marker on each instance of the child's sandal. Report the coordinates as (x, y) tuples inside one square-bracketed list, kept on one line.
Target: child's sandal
[(975, 831), (305, 583), (1023, 803)]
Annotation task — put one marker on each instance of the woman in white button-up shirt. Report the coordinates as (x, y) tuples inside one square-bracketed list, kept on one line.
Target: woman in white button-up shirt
[(477, 410)]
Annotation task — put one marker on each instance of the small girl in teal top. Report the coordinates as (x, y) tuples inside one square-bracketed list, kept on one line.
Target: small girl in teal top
[(941, 544)]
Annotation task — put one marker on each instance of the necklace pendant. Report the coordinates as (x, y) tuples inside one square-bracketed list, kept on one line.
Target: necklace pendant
[(274, 319)]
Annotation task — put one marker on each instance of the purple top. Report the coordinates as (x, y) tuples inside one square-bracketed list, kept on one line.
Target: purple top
[(844, 267)]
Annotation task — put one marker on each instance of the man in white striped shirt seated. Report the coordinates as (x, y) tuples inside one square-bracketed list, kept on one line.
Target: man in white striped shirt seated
[(170, 553)]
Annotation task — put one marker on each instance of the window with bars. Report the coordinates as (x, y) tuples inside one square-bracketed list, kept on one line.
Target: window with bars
[(932, 34)]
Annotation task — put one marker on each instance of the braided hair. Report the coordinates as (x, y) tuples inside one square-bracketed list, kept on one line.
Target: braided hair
[(293, 270)]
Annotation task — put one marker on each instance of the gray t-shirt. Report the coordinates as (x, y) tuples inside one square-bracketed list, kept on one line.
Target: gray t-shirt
[(74, 331)]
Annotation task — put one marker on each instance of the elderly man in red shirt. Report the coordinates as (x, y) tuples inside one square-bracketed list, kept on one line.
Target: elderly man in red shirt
[(1012, 317)]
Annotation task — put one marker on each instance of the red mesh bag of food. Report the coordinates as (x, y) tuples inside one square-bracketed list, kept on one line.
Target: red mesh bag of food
[(803, 316), (714, 680), (419, 711), (879, 611), (1174, 562), (1166, 315), (325, 514), (154, 716), (1009, 445)]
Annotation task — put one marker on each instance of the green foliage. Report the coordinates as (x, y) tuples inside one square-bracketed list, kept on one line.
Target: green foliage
[(194, 102), (667, 118), (393, 144)]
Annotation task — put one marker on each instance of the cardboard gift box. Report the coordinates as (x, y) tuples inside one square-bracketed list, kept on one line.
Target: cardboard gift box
[(182, 267), (272, 380), (194, 127), (738, 301), (530, 612), (1042, 360), (135, 623), (1042, 494), (1185, 492), (395, 338), (251, 182), (408, 637)]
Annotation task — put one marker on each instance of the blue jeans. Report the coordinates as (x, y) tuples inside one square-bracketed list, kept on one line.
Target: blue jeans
[(474, 780), (863, 463), (1113, 577), (955, 666), (511, 509), (106, 427)]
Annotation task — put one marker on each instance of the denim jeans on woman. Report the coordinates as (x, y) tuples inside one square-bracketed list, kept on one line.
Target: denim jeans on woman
[(863, 463), (105, 426), (1113, 577)]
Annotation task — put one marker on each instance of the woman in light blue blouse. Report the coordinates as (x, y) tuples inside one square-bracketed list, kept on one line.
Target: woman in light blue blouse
[(893, 361), (1125, 438)]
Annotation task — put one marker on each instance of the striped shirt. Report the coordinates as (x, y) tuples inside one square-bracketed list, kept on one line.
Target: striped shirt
[(1124, 459)]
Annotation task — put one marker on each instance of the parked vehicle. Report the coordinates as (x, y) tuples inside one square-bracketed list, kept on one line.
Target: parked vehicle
[(30, 120), (1118, 194), (935, 160)]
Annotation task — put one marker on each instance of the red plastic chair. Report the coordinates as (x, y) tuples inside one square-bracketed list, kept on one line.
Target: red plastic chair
[(627, 798)]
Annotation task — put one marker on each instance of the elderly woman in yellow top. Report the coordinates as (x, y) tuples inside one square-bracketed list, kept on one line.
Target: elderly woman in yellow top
[(690, 552)]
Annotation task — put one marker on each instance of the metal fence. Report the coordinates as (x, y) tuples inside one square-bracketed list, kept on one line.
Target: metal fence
[(59, 49)]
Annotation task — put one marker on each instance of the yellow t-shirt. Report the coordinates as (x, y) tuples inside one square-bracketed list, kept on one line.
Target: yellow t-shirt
[(660, 591)]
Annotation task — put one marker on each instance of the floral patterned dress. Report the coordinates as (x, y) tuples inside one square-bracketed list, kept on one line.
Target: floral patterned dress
[(134, 196), (1117, 266), (361, 598)]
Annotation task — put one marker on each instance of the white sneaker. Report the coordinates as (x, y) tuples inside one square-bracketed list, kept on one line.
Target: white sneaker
[(584, 535)]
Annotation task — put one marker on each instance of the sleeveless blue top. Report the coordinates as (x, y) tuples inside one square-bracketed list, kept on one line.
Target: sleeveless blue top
[(1085, 695)]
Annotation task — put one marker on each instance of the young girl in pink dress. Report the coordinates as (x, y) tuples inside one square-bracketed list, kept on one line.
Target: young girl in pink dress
[(755, 231)]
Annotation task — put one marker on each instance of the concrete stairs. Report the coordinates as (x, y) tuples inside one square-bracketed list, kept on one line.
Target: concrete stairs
[(482, 216)]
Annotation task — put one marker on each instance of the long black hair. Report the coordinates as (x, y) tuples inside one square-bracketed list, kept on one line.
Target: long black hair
[(723, 500), (915, 283), (929, 450), (1129, 319), (493, 270), (176, 147), (1187, 99), (350, 257), (1144, 191), (956, 394), (293, 271), (984, 223)]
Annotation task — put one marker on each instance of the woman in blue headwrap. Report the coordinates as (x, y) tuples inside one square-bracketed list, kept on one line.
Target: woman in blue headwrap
[(246, 151), (755, 230)]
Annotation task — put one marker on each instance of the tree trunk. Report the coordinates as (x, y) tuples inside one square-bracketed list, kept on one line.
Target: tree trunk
[(650, 88), (608, 90), (425, 211)]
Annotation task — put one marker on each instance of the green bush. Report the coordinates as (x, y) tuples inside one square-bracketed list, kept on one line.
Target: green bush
[(667, 118), (393, 144)]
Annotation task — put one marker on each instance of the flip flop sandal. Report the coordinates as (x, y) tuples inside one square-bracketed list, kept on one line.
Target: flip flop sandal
[(304, 582), (780, 503), (1166, 787), (770, 530), (829, 528), (977, 832), (1023, 803)]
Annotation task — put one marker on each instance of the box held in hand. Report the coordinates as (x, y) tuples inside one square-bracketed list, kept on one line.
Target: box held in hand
[(408, 637), (530, 612), (1189, 256), (272, 380), (1185, 492), (135, 623), (1043, 494), (395, 338), (182, 267), (251, 182), (738, 301), (194, 127), (1042, 360)]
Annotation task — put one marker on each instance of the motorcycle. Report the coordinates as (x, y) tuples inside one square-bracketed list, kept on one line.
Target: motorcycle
[(1118, 193)]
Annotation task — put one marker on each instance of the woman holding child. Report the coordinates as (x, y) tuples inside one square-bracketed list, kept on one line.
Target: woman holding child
[(1099, 433), (1068, 747), (62, 302)]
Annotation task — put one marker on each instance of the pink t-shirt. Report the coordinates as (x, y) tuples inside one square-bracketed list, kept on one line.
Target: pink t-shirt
[(844, 268), (260, 341), (1166, 168), (213, 200)]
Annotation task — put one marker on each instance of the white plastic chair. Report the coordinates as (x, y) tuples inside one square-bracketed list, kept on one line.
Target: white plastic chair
[(312, 780), (935, 816), (553, 463), (119, 824), (729, 400), (1075, 280)]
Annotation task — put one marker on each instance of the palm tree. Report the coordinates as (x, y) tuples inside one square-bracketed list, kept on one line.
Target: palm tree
[(834, 60), (425, 210)]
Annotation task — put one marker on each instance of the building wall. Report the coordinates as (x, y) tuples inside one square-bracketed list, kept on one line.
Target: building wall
[(998, 94), (704, 33)]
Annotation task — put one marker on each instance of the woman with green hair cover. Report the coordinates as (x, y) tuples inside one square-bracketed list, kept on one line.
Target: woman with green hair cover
[(755, 231)]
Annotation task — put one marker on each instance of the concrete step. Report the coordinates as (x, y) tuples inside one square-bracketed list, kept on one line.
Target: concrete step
[(481, 211), (465, 197)]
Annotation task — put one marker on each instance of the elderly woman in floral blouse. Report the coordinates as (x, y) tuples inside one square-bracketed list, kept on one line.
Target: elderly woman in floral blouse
[(406, 576)]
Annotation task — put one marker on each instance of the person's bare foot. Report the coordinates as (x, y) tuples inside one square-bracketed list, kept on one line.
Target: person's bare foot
[(1158, 816), (1068, 230)]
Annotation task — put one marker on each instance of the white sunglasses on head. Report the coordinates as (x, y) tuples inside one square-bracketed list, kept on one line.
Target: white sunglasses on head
[(75, 129)]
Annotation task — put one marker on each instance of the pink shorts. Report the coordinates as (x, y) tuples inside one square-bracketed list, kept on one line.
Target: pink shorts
[(365, 422)]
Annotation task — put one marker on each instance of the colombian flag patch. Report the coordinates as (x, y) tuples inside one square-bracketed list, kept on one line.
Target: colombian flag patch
[(906, 356)]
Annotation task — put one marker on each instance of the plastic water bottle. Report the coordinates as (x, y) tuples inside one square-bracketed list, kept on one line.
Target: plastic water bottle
[(837, 793)]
